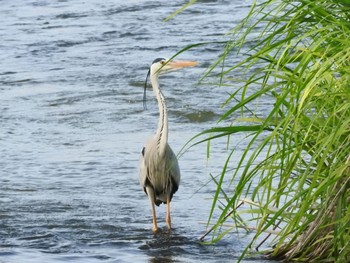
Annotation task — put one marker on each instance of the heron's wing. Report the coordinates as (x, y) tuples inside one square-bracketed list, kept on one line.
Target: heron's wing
[(173, 166), (155, 170), (143, 169)]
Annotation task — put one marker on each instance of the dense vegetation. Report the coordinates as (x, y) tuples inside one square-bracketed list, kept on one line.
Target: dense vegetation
[(291, 185)]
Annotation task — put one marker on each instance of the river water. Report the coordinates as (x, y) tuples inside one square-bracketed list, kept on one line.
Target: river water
[(73, 124)]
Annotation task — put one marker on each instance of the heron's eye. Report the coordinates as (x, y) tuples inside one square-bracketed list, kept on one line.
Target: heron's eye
[(162, 62)]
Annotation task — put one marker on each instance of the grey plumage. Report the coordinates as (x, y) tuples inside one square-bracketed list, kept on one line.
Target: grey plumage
[(162, 172)]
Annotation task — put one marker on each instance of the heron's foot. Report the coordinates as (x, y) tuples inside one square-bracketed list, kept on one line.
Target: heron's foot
[(168, 221), (155, 229)]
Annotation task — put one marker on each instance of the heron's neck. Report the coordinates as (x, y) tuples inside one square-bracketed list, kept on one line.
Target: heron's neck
[(162, 131)]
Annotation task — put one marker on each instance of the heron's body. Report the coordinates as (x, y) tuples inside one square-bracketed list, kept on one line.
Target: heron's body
[(163, 173), (159, 169)]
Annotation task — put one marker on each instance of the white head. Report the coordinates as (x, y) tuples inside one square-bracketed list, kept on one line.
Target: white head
[(160, 66)]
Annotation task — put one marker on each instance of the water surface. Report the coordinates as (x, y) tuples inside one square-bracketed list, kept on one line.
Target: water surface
[(73, 124)]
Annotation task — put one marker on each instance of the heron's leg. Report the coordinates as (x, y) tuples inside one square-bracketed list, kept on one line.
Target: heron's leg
[(168, 219), (155, 227), (150, 194)]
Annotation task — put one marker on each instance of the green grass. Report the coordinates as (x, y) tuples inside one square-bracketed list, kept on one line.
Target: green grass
[(291, 184)]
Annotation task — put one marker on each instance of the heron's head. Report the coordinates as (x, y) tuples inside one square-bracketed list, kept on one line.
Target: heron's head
[(162, 65)]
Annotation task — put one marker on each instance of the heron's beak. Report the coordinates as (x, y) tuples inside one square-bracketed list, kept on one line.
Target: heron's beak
[(181, 64)]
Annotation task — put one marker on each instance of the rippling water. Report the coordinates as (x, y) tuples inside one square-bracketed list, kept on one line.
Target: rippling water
[(73, 124)]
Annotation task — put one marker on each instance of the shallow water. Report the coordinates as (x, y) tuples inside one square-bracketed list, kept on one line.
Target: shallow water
[(73, 125)]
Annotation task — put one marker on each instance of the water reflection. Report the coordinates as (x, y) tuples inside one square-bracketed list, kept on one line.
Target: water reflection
[(165, 246)]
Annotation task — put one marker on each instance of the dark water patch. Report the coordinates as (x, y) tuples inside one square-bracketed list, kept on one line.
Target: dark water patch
[(201, 116), (8, 73), (67, 43), (71, 15), (6, 253), (56, 69), (164, 240), (68, 99), (18, 190), (140, 33), (36, 237), (132, 8), (165, 246), (110, 33), (18, 82), (137, 83), (47, 26)]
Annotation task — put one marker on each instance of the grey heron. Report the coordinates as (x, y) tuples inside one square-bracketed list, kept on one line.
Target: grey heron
[(159, 169)]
